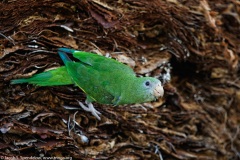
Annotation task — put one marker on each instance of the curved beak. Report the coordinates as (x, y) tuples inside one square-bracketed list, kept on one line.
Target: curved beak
[(158, 91)]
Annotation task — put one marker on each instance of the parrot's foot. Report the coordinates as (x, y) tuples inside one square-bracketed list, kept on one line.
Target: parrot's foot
[(91, 109)]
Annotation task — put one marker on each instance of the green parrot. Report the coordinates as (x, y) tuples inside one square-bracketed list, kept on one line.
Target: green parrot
[(103, 80)]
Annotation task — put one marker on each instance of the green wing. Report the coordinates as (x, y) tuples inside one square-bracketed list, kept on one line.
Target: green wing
[(99, 77), (102, 63), (91, 82)]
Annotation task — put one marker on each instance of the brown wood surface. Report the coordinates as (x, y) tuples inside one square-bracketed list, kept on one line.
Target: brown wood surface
[(197, 43)]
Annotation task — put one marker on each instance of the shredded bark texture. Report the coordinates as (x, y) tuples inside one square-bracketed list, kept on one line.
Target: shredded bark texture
[(192, 46)]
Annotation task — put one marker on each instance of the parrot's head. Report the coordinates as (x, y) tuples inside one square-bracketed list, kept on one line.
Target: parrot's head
[(149, 88)]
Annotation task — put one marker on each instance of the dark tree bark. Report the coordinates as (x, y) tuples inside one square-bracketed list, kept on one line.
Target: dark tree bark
[(192, 46)]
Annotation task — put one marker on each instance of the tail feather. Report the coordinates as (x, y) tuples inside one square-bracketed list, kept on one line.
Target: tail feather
[(53, 77), (18, 81), (40, 79)]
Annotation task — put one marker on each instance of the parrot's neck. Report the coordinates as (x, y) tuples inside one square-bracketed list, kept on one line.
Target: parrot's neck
[(133, 93)]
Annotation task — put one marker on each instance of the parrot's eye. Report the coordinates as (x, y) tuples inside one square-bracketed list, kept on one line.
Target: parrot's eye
[(147, 83)]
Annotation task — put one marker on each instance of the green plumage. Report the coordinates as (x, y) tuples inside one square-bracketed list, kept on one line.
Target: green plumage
[(104, 80), (55, 77)]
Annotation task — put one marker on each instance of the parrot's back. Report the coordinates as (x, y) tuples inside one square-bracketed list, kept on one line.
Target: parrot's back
[(97, 76), (97, 62)]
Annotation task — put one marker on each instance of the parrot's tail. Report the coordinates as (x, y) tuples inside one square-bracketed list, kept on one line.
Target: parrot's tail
[(55, 77), (18, 81), (38, 79)]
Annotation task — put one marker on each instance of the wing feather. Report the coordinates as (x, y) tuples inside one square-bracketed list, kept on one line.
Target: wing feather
[(102, 63), (90, 81)]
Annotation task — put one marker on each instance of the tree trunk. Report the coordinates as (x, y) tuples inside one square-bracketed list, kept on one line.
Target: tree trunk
[(192, 47)]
